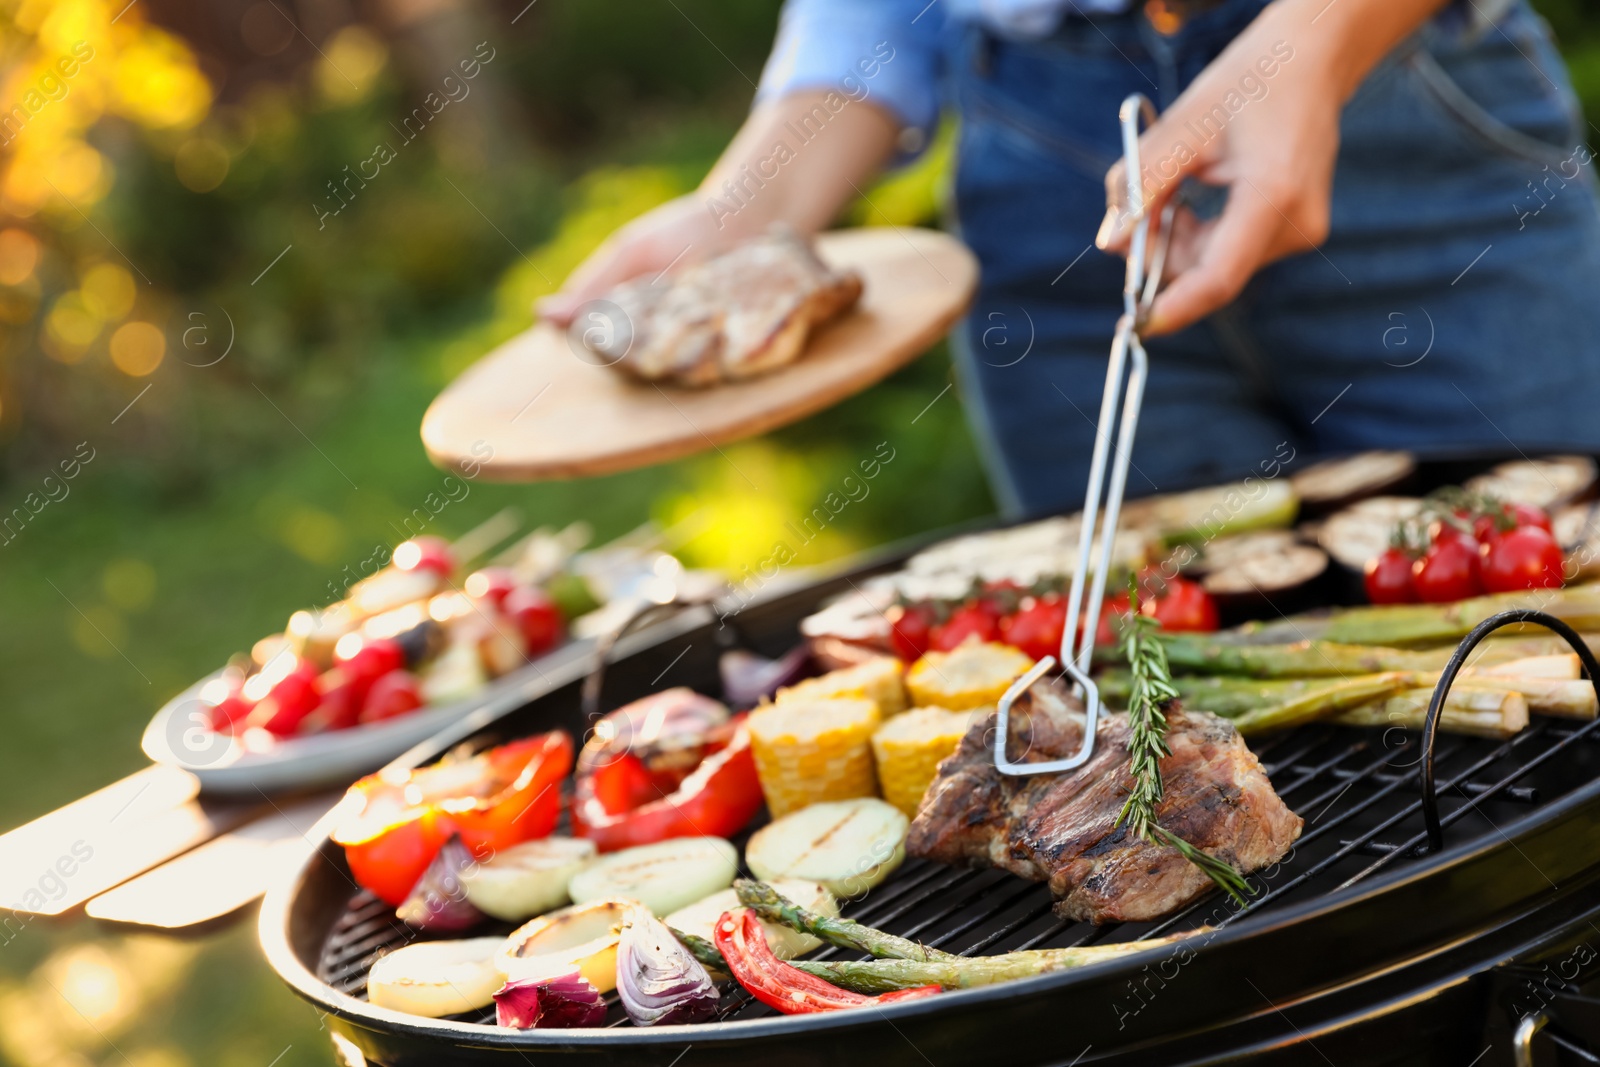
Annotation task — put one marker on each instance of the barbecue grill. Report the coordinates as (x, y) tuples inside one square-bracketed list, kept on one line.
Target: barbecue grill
[(1367, 944)]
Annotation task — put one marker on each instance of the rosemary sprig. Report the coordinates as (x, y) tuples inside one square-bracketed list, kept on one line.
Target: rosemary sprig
[(1152, 693)]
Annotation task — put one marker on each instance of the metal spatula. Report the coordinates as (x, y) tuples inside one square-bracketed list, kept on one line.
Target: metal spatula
[(1138, 292)]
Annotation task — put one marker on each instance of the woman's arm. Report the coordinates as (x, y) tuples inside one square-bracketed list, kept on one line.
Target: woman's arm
[(798, 159), (1262, 119)]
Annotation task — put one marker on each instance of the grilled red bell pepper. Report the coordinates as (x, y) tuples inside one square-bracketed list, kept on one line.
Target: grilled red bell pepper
[(492, 800), (743, 944), (674, 764)]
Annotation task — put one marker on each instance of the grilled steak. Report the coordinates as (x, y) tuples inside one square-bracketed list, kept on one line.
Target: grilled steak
[(1062, 828), (740, 314)]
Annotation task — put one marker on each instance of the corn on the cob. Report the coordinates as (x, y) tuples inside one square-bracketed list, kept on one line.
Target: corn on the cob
[(908, 749), (971, 676), (811, 751), (880, 680)]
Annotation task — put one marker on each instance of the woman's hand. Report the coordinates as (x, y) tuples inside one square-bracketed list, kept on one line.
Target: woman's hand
[(678, 232), (768, 174), (1263, 120)]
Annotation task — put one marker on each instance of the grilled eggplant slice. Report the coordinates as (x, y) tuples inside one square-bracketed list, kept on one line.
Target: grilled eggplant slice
[(1546, 483), (1336, 483)]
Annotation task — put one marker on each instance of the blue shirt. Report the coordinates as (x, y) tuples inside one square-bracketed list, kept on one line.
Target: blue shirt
[(889, 50)]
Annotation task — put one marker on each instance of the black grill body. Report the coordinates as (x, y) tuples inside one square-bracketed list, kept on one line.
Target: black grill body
[(1361, 947)]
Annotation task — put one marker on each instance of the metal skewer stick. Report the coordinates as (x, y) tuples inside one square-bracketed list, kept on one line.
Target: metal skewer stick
[(1138, 292)]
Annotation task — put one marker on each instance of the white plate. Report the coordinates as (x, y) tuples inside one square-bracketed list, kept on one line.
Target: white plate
[(178, 737)]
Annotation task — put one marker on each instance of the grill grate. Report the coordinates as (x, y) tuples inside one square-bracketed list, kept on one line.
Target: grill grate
[(1356, 789)]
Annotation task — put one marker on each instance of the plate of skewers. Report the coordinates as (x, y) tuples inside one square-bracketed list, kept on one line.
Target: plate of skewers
[(425, 639)]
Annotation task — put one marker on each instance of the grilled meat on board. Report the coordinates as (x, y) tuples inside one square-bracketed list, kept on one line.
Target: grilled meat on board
[(743, 313), (1062, 828)]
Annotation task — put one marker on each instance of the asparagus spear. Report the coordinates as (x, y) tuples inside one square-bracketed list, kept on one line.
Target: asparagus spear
[(701, 949), (772, 906), (1414, 624), (1215, 654), (904, 964), (1477, 712), (1321, 701), (1233, 697), (961, 972)]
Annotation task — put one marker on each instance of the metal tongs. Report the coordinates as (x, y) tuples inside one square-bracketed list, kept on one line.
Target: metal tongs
[(1138, 292)]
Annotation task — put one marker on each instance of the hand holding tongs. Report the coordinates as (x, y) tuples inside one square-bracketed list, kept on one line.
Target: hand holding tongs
[(1138, 292)]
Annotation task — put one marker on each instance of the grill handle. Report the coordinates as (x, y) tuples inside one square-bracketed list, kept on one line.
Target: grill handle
[(1430, 728)]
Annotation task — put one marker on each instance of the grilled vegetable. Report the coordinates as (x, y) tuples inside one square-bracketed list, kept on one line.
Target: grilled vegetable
[(901, 963), (810, 751), (1316, 658), (1204, 514), (439, 900), (970, 677), (748, 679), (557, 1001), (1474, 712), (908, 749), (886, 975), (1268, 575), (658, 981), (457, 674), (436, 978), (1403, 624), (492, 800), (849, 846), (663, 877), (527, 879), (584, 936), (880, 680), (671, 765), (1363, 530), (1545, 483), (771, 906), (782, 986), (786, 942), (1336, 482)]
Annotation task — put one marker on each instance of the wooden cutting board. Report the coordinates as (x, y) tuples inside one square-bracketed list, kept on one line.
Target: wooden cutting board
[(540, 407)]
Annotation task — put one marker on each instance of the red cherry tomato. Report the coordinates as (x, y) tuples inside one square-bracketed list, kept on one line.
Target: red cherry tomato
[(1388, 578), (374, 659), (491, 584), (1108, 632), (227, 712), (342, 697), (1037, 628), (1509, 517), (425, 554), (909, 626), (1182, 606), (392, 696), (1527, 557), (1440, 531), (971, 620), (1447, 571), (294, 697), (537, 616)]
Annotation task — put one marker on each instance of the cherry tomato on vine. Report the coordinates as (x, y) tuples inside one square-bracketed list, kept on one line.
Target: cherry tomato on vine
[(1037, 628), (1388, 579), (909, 626), (973, 619), (1527, 557), (1448, 571)]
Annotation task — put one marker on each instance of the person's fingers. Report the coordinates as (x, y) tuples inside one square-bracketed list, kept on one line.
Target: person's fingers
[(1229, 252), (1165, 159), (613, 263)]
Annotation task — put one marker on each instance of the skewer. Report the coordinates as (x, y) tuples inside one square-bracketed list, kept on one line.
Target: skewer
[(1128, 360)]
